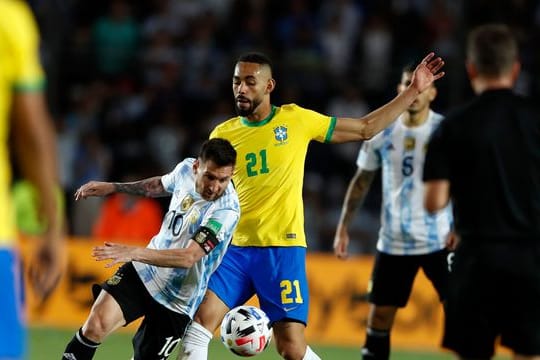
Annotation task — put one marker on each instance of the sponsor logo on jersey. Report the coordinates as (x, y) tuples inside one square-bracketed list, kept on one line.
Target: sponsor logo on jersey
[(280, 133)]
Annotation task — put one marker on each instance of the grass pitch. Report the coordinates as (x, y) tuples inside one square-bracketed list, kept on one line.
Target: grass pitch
[(48, 343)]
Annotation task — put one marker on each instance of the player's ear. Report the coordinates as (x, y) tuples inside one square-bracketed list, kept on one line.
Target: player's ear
[(270, 86), (196, 165), (516, 69), (471, 70)]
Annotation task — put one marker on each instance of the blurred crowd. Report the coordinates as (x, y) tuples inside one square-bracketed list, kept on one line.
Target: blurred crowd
[(135, 86)]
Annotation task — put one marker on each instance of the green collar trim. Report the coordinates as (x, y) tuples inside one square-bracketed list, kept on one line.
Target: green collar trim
[(265, 121)]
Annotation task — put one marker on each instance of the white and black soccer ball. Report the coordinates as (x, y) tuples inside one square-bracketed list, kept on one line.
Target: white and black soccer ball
[(246, 331)]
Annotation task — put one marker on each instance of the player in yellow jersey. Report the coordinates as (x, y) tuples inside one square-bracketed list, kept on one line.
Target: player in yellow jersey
[(24, 117), (267, 255)]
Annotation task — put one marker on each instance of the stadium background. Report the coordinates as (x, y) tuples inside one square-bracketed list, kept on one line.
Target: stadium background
[(136, 85)]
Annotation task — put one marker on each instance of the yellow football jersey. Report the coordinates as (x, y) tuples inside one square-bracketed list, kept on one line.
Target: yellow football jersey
[(270, 171), (20, 70)]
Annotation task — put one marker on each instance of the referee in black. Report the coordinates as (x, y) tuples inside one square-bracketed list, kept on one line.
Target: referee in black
[(485, 157)]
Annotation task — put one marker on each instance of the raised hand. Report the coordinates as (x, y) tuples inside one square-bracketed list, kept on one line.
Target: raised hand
[(94, 188), (427, 72)]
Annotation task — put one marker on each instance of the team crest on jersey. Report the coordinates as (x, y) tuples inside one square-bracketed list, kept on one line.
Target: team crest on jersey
[(114, 280), (409, 143), (280, 133), (186, 203), (193, 217)]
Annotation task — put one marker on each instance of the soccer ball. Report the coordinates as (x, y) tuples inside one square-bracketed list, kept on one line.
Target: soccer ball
[(246, 330)]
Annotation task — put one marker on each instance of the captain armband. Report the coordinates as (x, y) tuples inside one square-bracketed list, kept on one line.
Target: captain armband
[(206, 239)]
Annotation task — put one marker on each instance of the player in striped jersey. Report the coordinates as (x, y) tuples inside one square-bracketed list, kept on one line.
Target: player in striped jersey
[(410, 238), (166, 281), (268, 252)]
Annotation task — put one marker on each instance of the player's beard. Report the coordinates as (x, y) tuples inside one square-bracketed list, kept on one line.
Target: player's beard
[(253, 104)]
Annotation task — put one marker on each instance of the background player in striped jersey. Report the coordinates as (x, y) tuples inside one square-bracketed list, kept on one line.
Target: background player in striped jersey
[(410, 238), (268, 252), (166, 281)]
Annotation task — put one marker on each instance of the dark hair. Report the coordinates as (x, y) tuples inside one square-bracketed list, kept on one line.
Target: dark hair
[(492, 49), (219, 151), (257, 58), (408, 67)]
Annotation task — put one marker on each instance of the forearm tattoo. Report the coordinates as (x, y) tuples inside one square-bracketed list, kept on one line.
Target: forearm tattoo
[(356, 193), (151, 187)]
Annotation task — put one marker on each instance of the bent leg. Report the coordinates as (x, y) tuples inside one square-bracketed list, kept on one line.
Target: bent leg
[(291, 341), (105, 317), (206, 320)]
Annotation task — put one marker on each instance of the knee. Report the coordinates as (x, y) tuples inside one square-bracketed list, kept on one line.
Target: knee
[(291, 350), (210, 313), (380, 321), (382, 318), (95, 329)]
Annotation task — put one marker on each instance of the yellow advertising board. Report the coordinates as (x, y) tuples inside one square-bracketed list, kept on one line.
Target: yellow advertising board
[(338, 305)]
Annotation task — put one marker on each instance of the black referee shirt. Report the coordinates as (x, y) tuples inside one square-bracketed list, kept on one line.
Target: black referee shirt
[(489, 150)]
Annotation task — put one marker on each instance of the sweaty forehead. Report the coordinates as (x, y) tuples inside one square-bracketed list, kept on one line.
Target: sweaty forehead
[(245, 69)]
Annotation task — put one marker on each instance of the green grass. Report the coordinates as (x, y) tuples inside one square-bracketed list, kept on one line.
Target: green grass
[(47, 343)]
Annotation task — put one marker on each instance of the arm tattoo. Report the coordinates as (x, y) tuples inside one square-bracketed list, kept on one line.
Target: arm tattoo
[(356, 193), (151, 187)]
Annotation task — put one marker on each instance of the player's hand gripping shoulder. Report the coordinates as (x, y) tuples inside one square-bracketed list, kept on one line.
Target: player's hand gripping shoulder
[(427, 72)]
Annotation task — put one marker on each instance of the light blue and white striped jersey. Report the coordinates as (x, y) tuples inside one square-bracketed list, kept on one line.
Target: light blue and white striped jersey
[(406, 227), (181, 289)]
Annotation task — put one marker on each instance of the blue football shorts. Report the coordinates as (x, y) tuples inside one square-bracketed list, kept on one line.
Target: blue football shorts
[(12, 320), (277, 275)]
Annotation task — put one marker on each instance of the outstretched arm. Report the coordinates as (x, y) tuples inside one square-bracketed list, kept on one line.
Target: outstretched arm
[(178, 258), (424, 75), (356, 193), (151, 187)]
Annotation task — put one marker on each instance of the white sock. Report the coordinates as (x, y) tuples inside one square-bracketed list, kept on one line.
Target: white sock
[(195, 343), (310, 355)]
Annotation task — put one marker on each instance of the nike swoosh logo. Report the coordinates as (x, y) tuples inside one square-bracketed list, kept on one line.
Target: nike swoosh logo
[(287, 309)]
